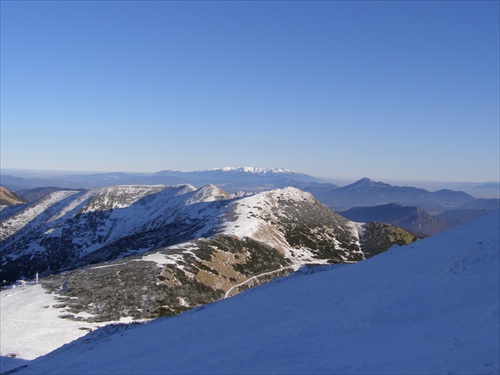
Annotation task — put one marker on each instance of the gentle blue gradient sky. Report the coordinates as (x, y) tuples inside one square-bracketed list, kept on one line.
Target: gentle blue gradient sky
[(388, 90)]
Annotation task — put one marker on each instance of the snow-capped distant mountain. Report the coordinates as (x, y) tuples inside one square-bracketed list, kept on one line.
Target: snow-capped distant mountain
[(428, 308), (204, 244), (232, 179), (255, 170), (251, 179)]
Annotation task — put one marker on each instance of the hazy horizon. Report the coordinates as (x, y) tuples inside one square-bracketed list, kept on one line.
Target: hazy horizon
[(32, 173)]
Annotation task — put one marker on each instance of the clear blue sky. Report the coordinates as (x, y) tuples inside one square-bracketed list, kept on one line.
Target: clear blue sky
[(388, 90)]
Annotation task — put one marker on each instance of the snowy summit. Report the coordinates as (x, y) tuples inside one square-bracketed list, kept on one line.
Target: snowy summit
[(255, 170)]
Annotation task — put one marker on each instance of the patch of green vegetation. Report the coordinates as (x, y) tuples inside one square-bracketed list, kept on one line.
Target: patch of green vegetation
[(110, 292), (317, 228), (188, 294), (261, 257)]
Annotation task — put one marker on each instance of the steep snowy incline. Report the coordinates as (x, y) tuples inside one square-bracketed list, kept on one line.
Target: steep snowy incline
[(428, 308)]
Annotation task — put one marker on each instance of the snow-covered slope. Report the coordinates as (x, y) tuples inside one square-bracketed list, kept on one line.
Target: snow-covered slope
[(168, 249), (69, 229), (65, 226), (428, 308)]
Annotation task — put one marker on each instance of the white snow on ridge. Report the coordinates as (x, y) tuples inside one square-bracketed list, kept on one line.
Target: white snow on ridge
[(209, 193), (75, 203), (428, 308), (120, 196), (249, 210), (31, 325), (249, 222)]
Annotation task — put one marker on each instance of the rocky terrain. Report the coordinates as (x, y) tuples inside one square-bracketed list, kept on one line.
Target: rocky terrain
[(147, 251)]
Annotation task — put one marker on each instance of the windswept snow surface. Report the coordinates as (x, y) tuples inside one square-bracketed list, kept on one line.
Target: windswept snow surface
[(428, 308)]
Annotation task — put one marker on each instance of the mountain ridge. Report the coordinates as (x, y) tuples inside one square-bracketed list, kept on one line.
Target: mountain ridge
[(413, 219), (189, 246), (366, 192), (431, 307)]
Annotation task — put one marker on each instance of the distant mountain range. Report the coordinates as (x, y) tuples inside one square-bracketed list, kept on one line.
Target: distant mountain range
[(415, 219), (231, 179), (470, 211), (170, 248), (431, 212), (365, 192), (419, 221)]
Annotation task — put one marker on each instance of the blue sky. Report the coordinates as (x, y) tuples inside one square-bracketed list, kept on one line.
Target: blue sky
[(388, 90)]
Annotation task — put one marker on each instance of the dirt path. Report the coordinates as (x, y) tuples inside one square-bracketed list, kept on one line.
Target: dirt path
[(294, 266)]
